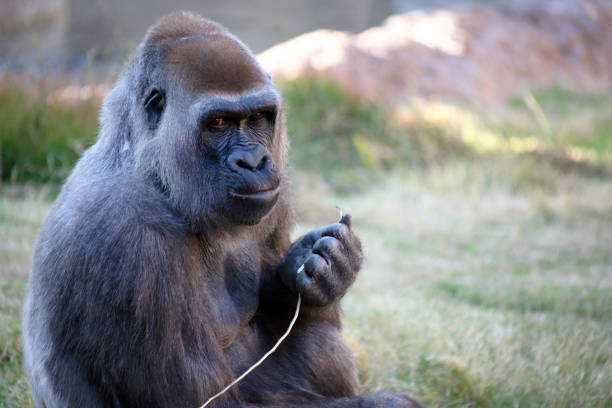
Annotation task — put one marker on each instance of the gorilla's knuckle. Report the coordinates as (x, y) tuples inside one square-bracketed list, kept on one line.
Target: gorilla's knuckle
[(328, 245), (316, 266)]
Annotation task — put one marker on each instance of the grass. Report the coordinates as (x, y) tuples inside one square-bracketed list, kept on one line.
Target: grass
[(351, 141), (483, 299), (21, 211), (41, 140), (488, 273)]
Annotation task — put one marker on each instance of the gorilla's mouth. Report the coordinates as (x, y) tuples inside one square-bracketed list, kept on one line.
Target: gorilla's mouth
[(248, 206), (261, 195)]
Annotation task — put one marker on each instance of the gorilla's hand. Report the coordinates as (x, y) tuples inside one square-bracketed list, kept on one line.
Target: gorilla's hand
[(331, 257)]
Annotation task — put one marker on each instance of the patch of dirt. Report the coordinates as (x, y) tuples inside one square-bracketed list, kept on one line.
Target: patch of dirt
[(476, 55)]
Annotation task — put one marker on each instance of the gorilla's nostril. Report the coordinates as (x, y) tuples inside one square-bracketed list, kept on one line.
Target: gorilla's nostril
[(262, 163), (245, 165), (252, 160)]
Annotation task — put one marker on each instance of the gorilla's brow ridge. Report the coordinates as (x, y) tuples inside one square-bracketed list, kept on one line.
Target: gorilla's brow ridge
[(237, 104)]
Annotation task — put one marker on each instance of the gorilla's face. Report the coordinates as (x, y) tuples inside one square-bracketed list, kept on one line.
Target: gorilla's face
[(215, 129), (237, 144)]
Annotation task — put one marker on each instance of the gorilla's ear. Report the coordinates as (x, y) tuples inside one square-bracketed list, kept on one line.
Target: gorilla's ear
[(154, 107)]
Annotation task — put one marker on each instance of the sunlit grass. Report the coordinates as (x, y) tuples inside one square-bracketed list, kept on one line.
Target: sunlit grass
[(527, 126)]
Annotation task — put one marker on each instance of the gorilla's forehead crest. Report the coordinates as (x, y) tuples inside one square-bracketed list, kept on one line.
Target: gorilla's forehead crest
[(206, 54)]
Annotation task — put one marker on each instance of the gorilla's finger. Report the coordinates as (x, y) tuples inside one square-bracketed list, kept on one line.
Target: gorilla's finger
[(316, 267), (337, 230), (346, 220), (334, 253), (316, 283)]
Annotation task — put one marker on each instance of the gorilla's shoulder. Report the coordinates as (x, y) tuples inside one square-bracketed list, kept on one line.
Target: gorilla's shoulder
[(100, 238), (110, 211)]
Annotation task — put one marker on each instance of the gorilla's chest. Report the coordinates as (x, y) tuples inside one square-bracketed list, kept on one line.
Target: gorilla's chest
[(236, 294)]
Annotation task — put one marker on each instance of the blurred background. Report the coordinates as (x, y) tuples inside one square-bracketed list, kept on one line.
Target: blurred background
[(470, 139)]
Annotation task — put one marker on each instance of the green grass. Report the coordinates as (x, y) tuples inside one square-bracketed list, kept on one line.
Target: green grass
[(487, 280), (578, 125), (333, 130), (39, 140), (352, 142)]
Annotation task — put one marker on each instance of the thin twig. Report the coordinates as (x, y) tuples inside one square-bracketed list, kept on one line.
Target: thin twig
[(261, 360)]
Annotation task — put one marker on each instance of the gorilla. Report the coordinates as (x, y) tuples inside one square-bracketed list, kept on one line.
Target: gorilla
[(164, 269)]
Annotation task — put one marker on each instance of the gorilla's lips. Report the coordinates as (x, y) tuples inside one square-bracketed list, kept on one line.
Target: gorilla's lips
[(250, 206), (261, 195)]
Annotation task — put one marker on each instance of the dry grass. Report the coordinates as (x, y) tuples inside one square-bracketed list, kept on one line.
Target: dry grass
[(480, 295)]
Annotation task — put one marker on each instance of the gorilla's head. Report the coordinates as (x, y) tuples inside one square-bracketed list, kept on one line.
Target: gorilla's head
[(206, 123)]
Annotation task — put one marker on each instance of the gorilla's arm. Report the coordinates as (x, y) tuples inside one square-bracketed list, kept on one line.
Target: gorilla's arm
[(129, 320)]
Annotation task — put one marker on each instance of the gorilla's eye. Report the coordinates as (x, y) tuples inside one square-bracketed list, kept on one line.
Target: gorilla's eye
[(218, 124), (256, 116), (257, 119)]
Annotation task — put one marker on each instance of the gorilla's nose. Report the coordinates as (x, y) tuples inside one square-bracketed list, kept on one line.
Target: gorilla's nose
[(252, 159)]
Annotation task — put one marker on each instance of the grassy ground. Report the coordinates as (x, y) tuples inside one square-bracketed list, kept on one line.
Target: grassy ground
[(488, 242), (474, 297), (21, 212)]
